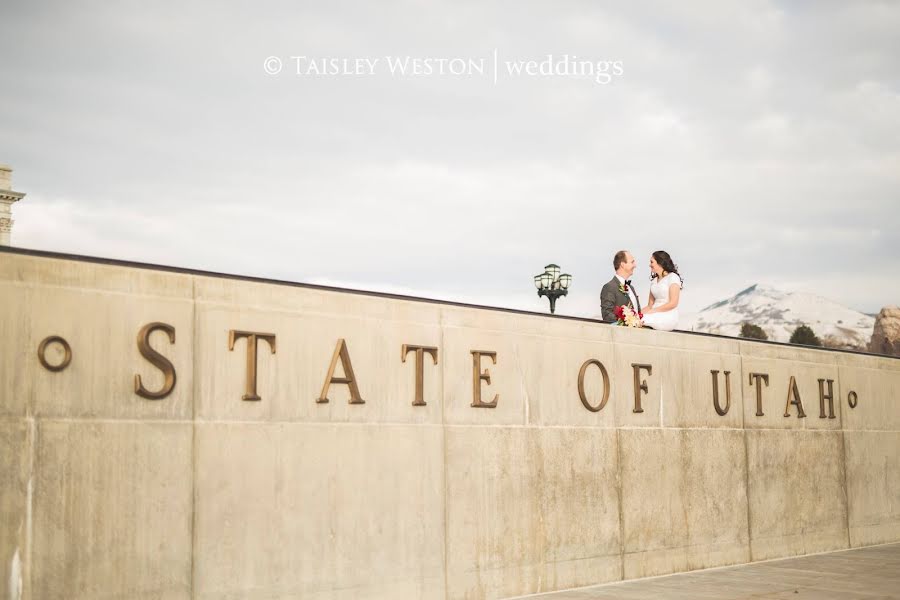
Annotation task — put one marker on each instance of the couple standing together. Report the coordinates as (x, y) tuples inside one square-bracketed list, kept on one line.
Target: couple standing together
[(661, 311)]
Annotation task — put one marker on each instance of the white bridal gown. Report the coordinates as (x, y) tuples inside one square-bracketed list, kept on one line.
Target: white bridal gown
[(663, 321)]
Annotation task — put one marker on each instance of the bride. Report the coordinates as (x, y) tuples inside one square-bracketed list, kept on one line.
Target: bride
[(665, 291)]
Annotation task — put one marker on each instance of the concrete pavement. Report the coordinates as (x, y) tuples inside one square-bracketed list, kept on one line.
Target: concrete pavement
[(863, 574)]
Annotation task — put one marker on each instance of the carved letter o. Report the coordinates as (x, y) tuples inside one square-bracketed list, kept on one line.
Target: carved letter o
[(581, 392)]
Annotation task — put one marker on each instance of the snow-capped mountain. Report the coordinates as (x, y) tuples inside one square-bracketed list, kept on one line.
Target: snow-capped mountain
[(779, 313)]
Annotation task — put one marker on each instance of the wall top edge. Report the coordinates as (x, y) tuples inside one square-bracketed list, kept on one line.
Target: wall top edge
[(296, 284)]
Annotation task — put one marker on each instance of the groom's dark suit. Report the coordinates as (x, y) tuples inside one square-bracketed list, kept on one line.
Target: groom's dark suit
[(611, 297)]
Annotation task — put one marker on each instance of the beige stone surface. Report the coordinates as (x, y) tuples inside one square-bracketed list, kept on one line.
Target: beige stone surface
[(688, 401), (14, 476), (289, 497), (684, 501), (16, 351), (48, 273), (797, 492), (507, 384), (780, 364), (873, 486), (753, 349), (310, 300), (112, 511), (877, 398), (525, 323), (866, 361), (659, 386), (99, 310), (530, 509), (549, 368), (673, 340), (102, 329), (536, 374), (319, 511), (291, 380)]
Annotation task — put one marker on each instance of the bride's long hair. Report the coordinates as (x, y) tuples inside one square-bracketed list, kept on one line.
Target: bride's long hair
[(663, 259)]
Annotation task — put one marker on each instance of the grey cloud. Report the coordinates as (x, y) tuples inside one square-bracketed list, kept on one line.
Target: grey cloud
[(755, 141)]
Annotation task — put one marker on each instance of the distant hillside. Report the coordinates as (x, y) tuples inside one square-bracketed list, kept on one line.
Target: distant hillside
[(779, 313)]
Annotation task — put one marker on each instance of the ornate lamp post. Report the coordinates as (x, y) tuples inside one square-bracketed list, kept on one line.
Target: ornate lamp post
[(553, 285)]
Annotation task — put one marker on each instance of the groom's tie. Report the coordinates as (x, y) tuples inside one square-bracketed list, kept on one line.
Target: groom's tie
[(631, 287)]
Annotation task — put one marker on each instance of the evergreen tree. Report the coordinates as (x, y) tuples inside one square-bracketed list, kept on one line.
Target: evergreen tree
[(805, 336), (753, 332)]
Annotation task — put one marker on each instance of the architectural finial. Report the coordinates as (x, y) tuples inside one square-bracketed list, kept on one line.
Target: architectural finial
[(7, 198)]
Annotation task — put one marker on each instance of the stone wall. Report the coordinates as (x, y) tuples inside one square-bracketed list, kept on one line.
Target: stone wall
[(201, 494)]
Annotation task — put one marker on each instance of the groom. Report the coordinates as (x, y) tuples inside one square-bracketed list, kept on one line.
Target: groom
[(619, 291)]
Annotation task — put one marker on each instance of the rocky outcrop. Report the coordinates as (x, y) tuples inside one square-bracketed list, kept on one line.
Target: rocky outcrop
[(886, 336)]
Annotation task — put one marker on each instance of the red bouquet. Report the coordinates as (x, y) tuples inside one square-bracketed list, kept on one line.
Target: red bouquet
[(628, 317)]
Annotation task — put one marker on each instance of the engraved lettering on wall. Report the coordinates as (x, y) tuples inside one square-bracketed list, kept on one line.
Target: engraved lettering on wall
[(793, 397), (581, 392), (341, 353), (253, 338), (157, 360), (759, 378), (640, 386), (478, 377), (420, 367), (715, 389), (829, 396)]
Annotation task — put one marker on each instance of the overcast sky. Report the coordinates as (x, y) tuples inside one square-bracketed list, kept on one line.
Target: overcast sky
[(755, 141)]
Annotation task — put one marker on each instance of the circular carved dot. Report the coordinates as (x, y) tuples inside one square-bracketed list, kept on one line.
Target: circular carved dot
[(42, 353)]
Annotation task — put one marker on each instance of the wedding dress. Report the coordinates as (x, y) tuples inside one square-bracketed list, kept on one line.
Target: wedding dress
[(663, 321)]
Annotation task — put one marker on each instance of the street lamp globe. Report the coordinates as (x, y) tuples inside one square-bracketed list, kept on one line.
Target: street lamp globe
[(546, 280), (553, 270)]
